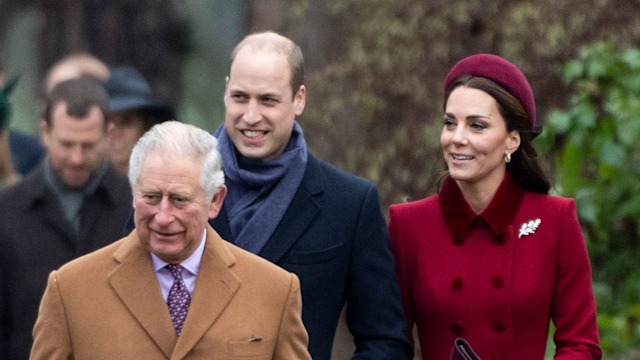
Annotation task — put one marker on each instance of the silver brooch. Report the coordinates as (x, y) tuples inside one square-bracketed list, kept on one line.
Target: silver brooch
[(529, 227)]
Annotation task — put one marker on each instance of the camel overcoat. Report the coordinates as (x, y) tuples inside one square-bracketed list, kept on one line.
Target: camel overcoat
[(108, 305)]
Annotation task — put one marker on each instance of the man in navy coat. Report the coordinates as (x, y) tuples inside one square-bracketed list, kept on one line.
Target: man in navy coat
[(321, 223), (72, 203)]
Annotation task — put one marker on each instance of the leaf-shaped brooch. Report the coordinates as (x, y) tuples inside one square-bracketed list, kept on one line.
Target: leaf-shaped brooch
[(528, 228)]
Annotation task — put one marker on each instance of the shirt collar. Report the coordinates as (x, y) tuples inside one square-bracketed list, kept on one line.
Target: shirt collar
[(191, 264), (459, 215)]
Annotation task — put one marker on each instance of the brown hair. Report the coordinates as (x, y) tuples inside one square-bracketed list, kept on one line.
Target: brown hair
[(80, 94), (525, 166)]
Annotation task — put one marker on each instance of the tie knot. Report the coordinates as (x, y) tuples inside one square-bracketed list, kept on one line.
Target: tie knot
[(176, 271)]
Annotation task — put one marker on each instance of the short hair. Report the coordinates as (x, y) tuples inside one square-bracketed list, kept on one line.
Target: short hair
[(181, 139), (75, 65), (281, 45), (80, 94)]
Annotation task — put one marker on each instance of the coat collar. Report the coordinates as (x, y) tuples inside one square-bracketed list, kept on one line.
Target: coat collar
[(135, 283), (304, 207), (113, 193), (498, 214), (113, 185)]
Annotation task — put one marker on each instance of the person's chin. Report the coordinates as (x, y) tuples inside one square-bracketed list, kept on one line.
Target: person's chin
[(166, 251), (459, 175), (253, 153), (75, 182)]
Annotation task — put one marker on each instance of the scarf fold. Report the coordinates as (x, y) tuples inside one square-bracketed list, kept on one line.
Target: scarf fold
[(259, 192), (72, 199)]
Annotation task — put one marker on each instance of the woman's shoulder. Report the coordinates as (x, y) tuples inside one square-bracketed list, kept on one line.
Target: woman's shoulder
[(549, 206), (427, 204), (548, 199)]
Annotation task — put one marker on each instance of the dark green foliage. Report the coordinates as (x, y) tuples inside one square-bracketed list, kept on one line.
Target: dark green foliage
[(596, 147), (5, 105)]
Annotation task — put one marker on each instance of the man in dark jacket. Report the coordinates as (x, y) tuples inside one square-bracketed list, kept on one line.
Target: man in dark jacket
[(72, 204), (317, 221)]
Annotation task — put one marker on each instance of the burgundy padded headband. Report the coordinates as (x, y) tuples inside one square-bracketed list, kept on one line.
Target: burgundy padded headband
[(501, 71)]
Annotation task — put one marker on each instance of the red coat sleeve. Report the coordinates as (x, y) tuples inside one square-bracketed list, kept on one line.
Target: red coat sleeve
[(573, 308)]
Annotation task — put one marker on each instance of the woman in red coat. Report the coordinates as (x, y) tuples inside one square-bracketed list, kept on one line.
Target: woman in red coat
[(492, 258)]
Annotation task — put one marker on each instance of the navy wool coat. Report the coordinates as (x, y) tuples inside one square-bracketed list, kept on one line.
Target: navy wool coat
[(35, 239), (334, 237)]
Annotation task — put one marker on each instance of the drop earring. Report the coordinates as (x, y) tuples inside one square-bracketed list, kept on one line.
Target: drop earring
[(507, 158)]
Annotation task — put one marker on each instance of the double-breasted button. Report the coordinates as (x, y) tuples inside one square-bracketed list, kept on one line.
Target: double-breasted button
[(497, 282), (457, 284), (458, 240), (457, 328), (499, 326)]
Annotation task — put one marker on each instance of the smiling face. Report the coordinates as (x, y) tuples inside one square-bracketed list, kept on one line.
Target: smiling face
[(171, 208), (475, 139), (260, 106)]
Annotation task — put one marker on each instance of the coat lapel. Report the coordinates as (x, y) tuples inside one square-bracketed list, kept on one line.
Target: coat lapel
[(303, 209), (137, 286), (41, 199), (215, 287)]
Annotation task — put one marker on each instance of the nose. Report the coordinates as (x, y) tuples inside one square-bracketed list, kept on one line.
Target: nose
[(252, 115), (76, 155), (164, 215), (459, 136)]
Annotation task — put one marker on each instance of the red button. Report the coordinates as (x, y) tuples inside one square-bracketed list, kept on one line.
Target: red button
[(457, 328), (458, 241), (457, 284), (497, 282), (499, 326)]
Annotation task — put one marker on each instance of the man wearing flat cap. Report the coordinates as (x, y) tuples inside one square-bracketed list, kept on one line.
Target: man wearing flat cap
[(132, 111)]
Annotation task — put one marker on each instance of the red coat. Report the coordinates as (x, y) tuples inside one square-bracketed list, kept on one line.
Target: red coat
[(480, 277)]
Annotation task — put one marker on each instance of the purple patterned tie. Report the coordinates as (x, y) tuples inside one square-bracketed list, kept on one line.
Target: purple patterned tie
[(179, 298)]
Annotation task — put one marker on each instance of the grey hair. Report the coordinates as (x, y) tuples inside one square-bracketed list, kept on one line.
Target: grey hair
[(181, 139)]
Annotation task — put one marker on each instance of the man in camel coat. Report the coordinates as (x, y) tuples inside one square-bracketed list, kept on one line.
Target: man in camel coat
[(113, 303)]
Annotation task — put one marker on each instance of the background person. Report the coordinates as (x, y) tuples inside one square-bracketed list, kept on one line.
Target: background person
[(73, 203), (301, 213), (234, 304), (8, 174), (26, 149), (132, 111), (19, 151), (73, 66), (493, 258)]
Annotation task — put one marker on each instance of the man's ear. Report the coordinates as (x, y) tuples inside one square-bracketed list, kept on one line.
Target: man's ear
[(226, 88), (216, 202), (44, 130), (299, 100), (109, 127)]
